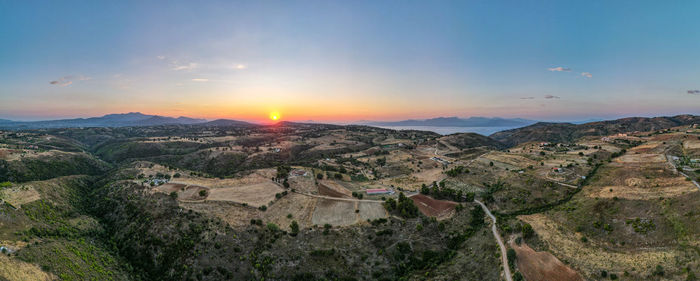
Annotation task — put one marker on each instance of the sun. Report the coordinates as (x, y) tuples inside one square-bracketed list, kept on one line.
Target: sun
[(275, 116)]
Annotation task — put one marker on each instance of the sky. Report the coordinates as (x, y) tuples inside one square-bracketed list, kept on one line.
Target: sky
[(349, 60)]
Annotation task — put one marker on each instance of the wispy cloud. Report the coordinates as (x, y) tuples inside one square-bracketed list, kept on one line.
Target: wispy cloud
[(68, 80), (586, 74), (694, 92), (178, 65), (200, 79), (550, 97), (559, 69), (527, 98), (186, 66), (240, 66)]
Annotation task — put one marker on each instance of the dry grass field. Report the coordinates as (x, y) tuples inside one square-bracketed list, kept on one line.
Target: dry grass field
[(591, 257), (254, 195), (334, 212), (20, 194), (15, 270)]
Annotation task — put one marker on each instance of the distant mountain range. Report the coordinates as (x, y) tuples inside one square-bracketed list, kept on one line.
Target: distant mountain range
[(567, 132), (110, 120), (456, 122)]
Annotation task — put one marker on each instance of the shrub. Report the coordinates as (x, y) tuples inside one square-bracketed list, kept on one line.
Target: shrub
[(294, 226), (273, 227), (527, 230), (203, 193)]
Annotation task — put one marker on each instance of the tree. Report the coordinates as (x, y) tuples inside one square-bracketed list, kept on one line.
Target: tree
[(294, 226), (319, 176), (285, 183), (511, 256), (527, 230), (203, 193)]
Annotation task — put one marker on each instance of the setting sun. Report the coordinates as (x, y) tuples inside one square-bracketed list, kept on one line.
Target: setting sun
[(275, 115)]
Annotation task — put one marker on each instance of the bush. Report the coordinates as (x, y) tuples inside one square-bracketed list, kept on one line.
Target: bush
[(273, 227), (294, 226), (263, 208), (203, 193), (511, 256), (527, 230)]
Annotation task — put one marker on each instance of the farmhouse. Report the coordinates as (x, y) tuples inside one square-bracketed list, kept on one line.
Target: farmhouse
[(377, 191)]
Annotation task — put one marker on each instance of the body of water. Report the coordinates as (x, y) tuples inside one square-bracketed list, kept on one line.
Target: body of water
[(451, 130)]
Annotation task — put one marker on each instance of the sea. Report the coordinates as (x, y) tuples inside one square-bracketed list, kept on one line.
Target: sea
[(451, 130)]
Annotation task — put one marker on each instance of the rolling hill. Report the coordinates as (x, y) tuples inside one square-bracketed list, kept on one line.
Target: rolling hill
[(566, 132)]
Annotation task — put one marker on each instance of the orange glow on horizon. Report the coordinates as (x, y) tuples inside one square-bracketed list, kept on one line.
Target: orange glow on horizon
[(274, 116)]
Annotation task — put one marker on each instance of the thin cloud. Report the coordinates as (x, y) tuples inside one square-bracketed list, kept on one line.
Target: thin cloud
[(187, 66), (550, 97), (694, 92), (527, 98), (68, 80), (559, 69), (240, 66), (586, 74), (200, 79)]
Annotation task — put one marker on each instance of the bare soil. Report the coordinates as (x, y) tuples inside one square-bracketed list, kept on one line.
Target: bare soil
[(542, 266), (440, 209)]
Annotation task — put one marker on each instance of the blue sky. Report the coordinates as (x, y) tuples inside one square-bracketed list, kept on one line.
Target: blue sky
[(350, 60)]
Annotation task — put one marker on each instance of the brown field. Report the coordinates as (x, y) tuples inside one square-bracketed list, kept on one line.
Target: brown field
[(636, 193), (542, 266), (333, 189), (641, 158), (301, 207), (232, 213), (440, 209), (334, 212), (16, 270), (371, 210), (691, 144), (254, 195), (184, 192)]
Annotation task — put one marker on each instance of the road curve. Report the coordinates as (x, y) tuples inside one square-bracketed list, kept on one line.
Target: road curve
[(504, 258)]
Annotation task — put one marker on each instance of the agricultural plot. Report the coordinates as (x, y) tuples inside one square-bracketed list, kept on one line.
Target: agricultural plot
[(440, 209), (542, 266), (299, 206), (18, 195), (334, 212), (254, 195)]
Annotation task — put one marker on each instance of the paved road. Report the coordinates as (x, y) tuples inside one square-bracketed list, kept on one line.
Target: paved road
[(494, 229)]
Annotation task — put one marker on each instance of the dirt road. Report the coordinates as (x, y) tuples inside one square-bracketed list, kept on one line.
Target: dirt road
[(504, 258), (339, 198), (670, 161)]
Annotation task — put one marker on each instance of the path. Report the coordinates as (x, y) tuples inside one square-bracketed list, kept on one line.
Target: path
[(670, 161), (494, 229), (338, 198)]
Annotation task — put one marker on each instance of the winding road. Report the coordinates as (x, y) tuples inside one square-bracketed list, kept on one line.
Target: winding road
[(494, 229)]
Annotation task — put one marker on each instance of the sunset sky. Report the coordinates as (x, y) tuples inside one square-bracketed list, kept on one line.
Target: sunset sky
[(349, 60)]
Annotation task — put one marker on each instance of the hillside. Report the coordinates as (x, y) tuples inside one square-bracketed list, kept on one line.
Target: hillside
[(457, 122), (567, 132), (471, 140)]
